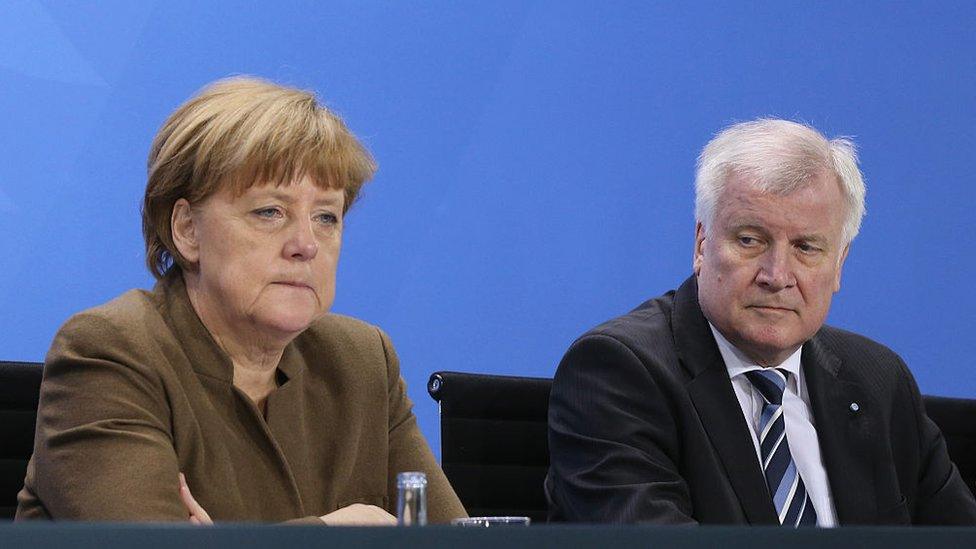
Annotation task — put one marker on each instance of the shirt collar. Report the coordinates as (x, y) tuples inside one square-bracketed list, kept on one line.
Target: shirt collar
[(737, 363)]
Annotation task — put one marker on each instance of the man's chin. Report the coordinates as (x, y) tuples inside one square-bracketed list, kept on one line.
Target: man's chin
[(769, 346)]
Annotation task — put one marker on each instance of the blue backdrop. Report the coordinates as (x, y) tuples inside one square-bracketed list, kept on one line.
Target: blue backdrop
[(536, 158)]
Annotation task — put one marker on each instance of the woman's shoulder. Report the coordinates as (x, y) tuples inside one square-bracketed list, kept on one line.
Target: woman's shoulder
[(126, 307), (345, 340), (344, 329), (129, 318)]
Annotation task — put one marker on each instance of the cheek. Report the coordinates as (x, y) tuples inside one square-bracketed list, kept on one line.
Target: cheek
[(227, 247), (328, 263), (242, 271), (723, 271), (819, 292)]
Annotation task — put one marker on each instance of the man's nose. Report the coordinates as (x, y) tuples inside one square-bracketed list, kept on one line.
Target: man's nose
[(301, 244), (776, 269)]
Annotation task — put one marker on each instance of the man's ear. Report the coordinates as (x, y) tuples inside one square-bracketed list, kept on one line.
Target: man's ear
[(182, 226), (840, 266), (699, 256)]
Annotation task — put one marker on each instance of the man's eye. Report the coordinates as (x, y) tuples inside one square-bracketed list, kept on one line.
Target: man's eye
[(748, 241), (807, 248)]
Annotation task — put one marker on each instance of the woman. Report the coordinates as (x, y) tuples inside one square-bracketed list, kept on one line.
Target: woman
[(228, 392)]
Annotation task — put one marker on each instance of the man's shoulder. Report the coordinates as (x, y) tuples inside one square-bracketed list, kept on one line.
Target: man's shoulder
[(846, 344), (647, 319), (644, 334), (862, 358)]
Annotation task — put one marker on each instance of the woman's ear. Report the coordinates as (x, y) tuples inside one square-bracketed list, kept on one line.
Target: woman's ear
[(184, 231)]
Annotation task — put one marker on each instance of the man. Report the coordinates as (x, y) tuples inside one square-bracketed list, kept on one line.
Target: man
[(728, 401)]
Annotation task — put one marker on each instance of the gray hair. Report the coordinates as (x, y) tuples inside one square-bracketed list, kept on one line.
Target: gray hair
[(781, 157)]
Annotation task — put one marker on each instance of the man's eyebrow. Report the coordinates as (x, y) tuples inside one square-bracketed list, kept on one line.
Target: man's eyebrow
[(817, 238), (750, 226), (812, 237)]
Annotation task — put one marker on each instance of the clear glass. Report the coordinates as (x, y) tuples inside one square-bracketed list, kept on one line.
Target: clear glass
[(412, 499), (485, 522)]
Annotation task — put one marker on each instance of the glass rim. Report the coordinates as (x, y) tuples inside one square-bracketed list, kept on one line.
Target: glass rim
[(490, 520)]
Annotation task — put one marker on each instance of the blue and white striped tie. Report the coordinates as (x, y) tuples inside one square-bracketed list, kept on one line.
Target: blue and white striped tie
[(793, 505)]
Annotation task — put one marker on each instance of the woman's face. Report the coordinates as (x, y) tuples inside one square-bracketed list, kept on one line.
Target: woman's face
[(266, 260)]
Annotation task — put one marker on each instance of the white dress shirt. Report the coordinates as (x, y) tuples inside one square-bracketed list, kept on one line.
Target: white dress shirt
[(800, 430)]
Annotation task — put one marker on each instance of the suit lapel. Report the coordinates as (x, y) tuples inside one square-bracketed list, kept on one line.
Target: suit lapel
[(711, 392), (845, 434)]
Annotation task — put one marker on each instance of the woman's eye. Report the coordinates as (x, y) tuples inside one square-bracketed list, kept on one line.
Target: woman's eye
[(269, 213), (327, 218)]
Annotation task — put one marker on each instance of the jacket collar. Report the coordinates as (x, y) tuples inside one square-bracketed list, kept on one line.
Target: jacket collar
[(711, 392), (199, 347), (845, 436)]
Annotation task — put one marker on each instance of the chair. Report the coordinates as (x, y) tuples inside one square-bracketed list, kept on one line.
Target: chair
[(20, 384), (494, 444), (956, 417)]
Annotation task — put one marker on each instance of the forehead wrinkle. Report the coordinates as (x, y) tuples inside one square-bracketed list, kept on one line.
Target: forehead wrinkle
[(748, 225), (769, 213), (278, 192)]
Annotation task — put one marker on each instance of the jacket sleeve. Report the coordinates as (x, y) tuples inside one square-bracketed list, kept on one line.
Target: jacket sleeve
[(613, 442), (103, 448), (941, 496), (409, 450)]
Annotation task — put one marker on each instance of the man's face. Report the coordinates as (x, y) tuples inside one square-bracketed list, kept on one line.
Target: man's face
[(768, 265)]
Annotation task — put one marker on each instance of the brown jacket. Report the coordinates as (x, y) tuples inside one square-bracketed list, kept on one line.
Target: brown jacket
[(136, 391)]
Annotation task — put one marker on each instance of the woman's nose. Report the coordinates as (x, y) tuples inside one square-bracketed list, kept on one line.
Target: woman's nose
[(301, 244)]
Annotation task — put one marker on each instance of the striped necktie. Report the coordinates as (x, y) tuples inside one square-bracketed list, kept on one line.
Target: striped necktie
[(793, 505)]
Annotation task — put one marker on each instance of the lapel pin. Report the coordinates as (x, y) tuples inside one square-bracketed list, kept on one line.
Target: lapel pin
[(855, 407)]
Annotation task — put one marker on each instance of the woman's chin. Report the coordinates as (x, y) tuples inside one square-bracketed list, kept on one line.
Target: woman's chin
[(288, 325)]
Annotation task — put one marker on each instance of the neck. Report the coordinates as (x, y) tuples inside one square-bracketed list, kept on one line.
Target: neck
[(256, 381), (254, 355), (747, 354)]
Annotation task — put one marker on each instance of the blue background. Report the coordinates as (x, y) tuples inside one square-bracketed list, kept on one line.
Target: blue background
[(536, 158)]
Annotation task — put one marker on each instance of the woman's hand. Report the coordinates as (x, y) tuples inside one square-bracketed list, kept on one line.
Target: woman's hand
[(197, 514), (357, 514)]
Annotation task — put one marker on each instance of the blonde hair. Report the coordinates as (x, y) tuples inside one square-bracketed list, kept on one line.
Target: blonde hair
[(240, 132), (781, 156)]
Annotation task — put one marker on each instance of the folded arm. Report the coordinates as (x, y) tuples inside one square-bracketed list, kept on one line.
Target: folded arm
[(613, 442), (103, 448)]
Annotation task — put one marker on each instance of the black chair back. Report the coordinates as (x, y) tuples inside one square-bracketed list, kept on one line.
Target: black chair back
[(20, 384), (956, 417), (494, 444)]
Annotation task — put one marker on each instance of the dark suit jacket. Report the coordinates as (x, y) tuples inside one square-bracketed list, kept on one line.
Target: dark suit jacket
[(644, 427)]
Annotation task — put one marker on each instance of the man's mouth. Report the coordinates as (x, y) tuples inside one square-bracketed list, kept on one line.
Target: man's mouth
[(772, 308)]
